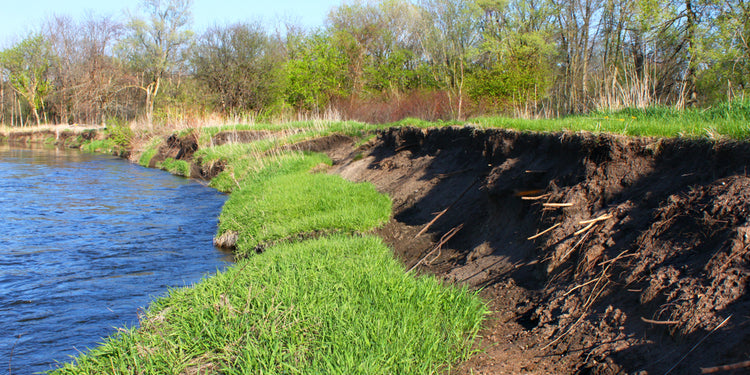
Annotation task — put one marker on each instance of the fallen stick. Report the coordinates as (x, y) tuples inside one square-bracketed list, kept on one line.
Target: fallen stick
[(445, 175), (404, 147), (557, 205), (534, 198), (664, 322), (543, 232), (733, 366), (580, 286), (698, 343), (598, 219), (426, 227), (570, 329), (591, 225), (572, 249), (441, 213), (446, 237)]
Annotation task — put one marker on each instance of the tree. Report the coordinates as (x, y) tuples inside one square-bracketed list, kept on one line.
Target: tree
[(155, 43), (380, 40), (26, 65), (727, 51), (450, 41), (316, 71), (241, 64), (85, 75), (516, 52)]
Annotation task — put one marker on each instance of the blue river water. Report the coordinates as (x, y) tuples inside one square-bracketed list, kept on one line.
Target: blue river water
[(86, 242)]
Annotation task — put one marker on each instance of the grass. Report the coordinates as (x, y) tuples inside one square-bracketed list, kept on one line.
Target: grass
[(338, 305), (99, 145), (284, 200), (177, 167), (152, 148), (726, 120)]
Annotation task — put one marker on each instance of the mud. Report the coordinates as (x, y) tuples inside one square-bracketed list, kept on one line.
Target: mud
[(646, 256)]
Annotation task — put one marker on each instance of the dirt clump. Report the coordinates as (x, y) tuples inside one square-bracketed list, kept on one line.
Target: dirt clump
[(597, 253), (177, 147)]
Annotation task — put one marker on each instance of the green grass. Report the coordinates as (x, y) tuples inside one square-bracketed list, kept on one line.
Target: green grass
[(151, 149), (283, 200), (727, 120), (339, 305), (99, 145), (177, 167)]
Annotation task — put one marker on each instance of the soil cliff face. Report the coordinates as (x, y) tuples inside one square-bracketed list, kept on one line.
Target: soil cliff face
[(598, 253)]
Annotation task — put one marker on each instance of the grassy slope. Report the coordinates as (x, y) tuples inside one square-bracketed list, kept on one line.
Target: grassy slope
[(338, 304)]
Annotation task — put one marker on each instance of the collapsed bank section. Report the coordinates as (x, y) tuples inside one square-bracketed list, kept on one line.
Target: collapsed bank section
[(311, 292)]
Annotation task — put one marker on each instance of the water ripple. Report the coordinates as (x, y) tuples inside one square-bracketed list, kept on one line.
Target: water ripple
[(85, 242)]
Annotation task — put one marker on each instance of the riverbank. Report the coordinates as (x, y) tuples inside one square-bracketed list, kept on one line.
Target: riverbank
[(311, 292), (596, 252)]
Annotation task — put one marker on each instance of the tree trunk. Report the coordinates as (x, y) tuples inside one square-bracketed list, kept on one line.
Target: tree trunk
[(151, 90), (688, 95), (35, 112)]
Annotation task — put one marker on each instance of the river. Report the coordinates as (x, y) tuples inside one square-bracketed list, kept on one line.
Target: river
[(86, 242)]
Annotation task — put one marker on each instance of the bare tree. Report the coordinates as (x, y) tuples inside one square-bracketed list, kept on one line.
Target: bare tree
[(85, 74), (155, 43)]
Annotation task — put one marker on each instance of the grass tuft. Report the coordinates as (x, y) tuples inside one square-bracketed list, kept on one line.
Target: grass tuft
[(337, 305), (283, 200), (177, 167)]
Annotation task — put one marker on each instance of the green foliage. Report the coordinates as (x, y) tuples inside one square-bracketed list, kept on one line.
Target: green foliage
[(151, 149), (516, 53), (146, 156), (121, 134), (26, 65), (516, 81), (315, 73), (339, 305)]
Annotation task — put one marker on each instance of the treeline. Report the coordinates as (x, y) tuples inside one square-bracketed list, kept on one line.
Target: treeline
[(381, 61)]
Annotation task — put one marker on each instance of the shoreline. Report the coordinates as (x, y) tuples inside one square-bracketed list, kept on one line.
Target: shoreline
[(537, 264)]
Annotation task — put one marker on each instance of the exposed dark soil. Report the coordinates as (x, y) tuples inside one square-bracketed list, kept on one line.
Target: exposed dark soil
[(177, 148), (646, 259), (596, 253)]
